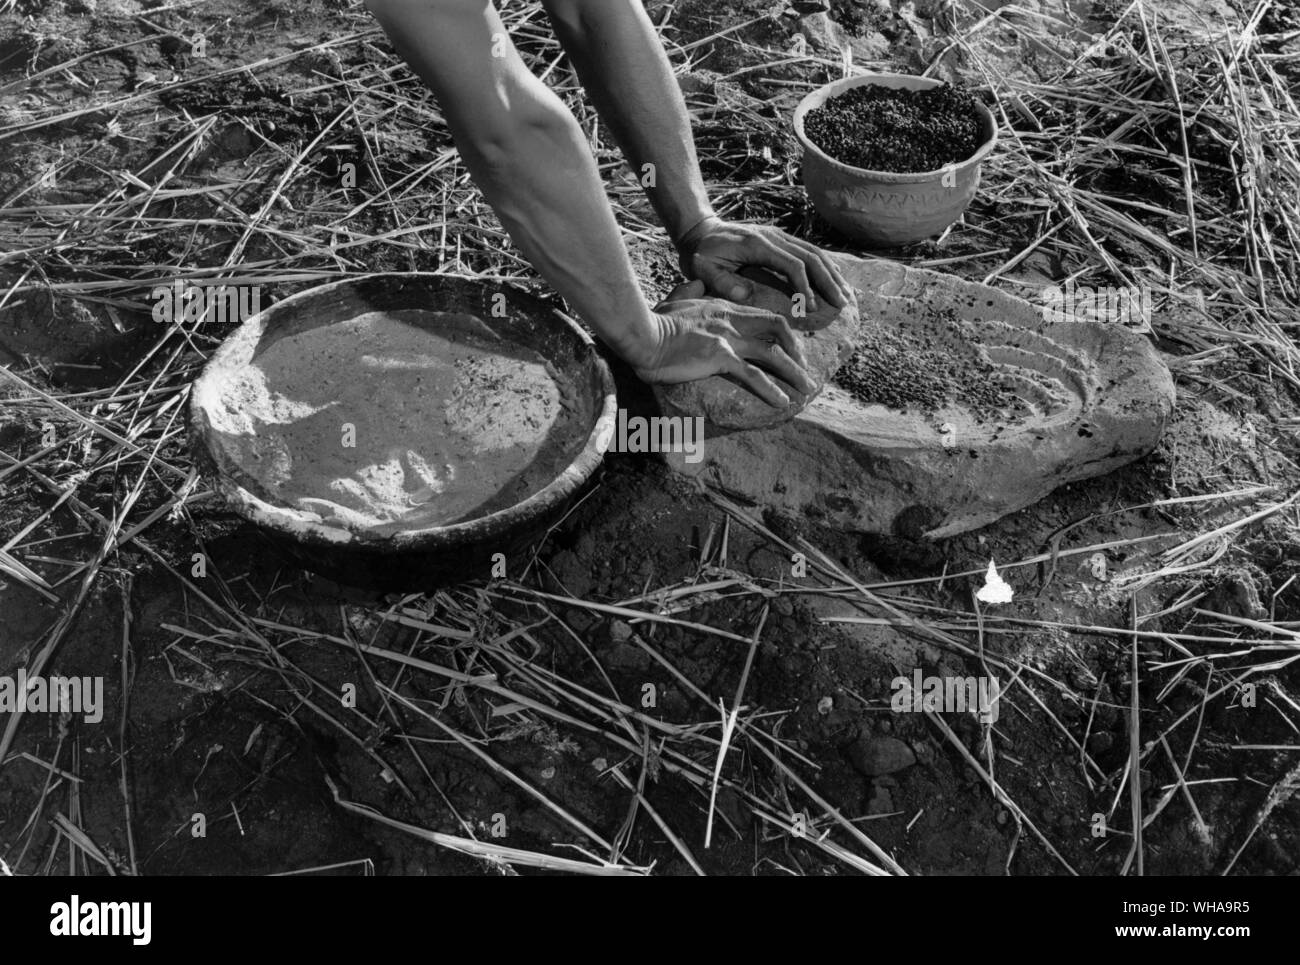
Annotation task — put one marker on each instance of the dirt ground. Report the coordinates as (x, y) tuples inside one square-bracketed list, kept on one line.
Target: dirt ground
[(226, 683)]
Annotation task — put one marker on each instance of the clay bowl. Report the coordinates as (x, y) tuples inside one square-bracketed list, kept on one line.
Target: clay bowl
[(880, 208), (391, 557)]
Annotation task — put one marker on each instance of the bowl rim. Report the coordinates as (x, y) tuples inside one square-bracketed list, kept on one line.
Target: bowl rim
[(308, 529), (824, 93)]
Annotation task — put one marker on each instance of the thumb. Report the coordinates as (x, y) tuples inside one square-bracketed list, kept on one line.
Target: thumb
[(722, 283), (687, 289)]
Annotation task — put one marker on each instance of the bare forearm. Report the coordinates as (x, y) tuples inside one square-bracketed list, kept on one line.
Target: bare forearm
[(527, 155), (618, 55), (557, 215)]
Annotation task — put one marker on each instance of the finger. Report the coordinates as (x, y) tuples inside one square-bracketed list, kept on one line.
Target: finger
[(687, 289), (823, 273), (769, 254), (754, 379), (771, 357), (846, 287), (722, 283), (771, 327), (752, 315), (829, 279)]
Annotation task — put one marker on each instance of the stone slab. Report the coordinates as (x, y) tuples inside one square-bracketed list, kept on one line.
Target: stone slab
[(1099, 397)]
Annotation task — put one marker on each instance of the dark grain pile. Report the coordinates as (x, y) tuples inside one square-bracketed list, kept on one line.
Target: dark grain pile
[(896, 130), (910, 373)]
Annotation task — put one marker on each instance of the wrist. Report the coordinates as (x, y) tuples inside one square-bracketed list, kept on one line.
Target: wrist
[(635, 342), (693, 229)]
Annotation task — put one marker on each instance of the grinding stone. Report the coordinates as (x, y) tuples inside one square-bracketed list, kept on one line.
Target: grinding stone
[(1098, 396), (827, 336)]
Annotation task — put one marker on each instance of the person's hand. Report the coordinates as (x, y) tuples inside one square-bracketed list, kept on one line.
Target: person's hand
[(714, 250), (695, 337)]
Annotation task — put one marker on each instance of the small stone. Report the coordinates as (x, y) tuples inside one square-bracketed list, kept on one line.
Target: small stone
[(1237, 595), (620, 632), (872, 45), (697, 82), (626, 657), (1106, 716), (882, 802), (880, 755), (1100, 742), (823, 34), (1082, 678), (731, 806)]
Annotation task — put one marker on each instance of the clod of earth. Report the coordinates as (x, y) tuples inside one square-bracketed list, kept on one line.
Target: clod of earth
[(896, 130), (876, 756), (963, 404)]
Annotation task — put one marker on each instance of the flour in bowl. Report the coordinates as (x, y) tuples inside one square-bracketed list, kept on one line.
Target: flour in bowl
[(398, 420)]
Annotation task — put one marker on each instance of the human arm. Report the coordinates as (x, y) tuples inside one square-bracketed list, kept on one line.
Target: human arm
[(528, 156), (617, 53)]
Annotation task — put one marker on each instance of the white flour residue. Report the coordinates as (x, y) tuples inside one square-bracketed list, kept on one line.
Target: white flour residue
[(408, 417)]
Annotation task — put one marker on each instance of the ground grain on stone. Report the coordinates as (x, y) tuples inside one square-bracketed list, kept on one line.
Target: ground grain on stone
[(915, 372)]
